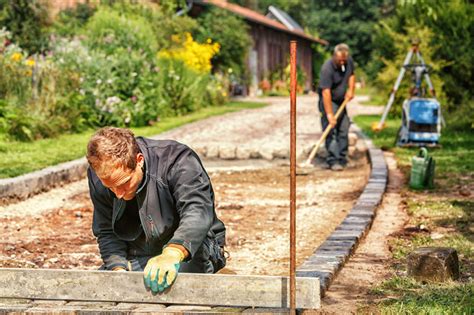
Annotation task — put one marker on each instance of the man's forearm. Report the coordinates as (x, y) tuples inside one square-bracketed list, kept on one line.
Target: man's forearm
[(327, 102)]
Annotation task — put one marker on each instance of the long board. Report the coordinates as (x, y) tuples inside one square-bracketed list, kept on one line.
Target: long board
[(195, 289)]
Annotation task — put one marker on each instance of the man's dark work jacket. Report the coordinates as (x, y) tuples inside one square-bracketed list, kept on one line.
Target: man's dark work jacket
[(173, 204)]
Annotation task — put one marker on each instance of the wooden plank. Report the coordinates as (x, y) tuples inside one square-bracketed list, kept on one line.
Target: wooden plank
[(197, 289)]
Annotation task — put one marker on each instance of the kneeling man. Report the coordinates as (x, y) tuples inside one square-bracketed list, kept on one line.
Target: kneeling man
[(153, 208)]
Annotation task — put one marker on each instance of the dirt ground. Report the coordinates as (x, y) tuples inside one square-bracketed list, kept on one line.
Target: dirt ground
[(370, 264), (253, 203)]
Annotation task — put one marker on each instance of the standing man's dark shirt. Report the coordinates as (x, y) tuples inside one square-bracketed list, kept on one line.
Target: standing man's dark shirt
[(332, 77)]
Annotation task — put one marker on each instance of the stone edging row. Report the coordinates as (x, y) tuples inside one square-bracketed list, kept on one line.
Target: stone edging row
[(330, 256), (24, 186)]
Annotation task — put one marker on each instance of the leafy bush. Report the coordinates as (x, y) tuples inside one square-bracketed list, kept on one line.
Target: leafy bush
[(109, 30), (109, 74), (71, 20), (180, 89), (27, 20), (231, 32), (195, 55)]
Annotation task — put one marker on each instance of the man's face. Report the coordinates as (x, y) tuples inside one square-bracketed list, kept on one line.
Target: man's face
[(340, 59), (121, 180)]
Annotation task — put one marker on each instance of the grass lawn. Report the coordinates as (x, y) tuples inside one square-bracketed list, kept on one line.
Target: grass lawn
[(375, 97), (17, 158), (442, 217)]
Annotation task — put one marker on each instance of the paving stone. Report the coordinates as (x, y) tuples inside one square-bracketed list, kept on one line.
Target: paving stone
[(351, 151), (282, 153), (266, 153), (255, 154), (345, 235), (338, 243), (227, 152), (243, 153), (352, 138), (212, 152)]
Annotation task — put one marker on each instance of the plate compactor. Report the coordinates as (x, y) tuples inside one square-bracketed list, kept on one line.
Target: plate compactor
[(421, 116)]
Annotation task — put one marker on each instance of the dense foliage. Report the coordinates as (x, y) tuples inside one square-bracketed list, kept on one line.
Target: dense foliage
[(105, 65), (446, 28), (220, 26), (27, 21)]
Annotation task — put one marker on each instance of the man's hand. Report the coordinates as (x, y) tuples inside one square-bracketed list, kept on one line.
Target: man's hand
[(349, 95), (332, 120), (120, 269), (161, 271)]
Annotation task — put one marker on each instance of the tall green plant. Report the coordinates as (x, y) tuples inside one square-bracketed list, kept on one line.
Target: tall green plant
[(28, 21), (231, 32)]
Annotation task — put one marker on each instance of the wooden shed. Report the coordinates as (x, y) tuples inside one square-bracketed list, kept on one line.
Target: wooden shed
[(271, 36)]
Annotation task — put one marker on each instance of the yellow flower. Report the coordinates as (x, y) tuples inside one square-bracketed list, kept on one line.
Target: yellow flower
[(16, 57), (30, 62), (28, 73), (195, 55)]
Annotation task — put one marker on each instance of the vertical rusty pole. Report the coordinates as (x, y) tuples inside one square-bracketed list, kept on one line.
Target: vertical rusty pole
[(292, 177)]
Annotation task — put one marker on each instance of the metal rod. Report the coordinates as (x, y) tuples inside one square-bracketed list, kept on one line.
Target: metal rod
[(293, 177)]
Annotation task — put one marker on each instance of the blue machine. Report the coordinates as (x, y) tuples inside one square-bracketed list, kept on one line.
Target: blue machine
[(421, 116), (421, 122)]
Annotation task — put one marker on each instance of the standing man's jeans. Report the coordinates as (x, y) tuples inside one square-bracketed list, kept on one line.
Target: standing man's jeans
[(337, 141)]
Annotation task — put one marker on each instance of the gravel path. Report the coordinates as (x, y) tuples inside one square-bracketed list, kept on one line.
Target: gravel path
[(260, 133), (255, 133)]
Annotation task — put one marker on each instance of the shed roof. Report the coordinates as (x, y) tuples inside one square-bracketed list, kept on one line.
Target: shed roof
[(260, 19)]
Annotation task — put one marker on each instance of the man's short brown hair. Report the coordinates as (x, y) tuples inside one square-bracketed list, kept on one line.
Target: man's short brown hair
[(116, 146)]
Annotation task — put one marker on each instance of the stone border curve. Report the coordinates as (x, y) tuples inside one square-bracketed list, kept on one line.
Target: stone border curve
[(329, 258)]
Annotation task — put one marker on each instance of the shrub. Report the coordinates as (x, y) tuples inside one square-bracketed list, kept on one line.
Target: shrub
[(27, 20), (70, 21), (195, 55), (109, 30), (180, 89), (231, 32)]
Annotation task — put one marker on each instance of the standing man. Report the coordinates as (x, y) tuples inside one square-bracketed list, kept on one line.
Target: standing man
[(153, 208), (336, 83)]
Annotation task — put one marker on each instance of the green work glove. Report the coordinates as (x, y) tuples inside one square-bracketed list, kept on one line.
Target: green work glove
[(161, 271)]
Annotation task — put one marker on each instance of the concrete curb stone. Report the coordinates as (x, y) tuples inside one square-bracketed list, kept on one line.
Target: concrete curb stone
[(330, 257)]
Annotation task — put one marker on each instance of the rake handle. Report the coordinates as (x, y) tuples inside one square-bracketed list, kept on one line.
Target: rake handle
[(326, 132)]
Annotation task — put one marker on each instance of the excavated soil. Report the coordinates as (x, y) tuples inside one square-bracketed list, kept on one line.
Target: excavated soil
[(253, 203)]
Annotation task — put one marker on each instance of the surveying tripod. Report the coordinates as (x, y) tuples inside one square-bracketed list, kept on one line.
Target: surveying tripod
[(420, 69)]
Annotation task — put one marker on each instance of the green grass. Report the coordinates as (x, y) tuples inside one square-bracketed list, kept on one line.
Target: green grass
[(17, 158), (446, 218), (406, 296), (454, 157), (375, 97)]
